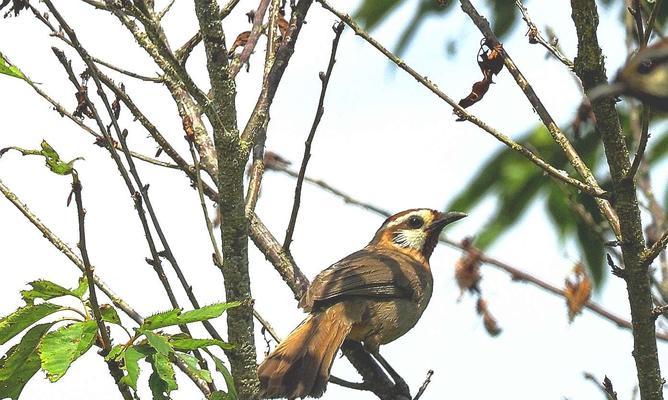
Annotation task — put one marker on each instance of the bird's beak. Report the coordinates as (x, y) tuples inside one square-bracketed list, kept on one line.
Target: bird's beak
[(444, 219)]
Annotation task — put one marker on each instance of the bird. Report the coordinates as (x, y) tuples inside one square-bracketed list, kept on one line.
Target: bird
[(644, 76), (373, 296)]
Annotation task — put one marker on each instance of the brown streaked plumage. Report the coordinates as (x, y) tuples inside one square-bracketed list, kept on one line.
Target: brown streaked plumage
[(373, 296)]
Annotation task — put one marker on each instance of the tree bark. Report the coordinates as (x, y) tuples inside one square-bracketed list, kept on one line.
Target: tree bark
[(590, 67)]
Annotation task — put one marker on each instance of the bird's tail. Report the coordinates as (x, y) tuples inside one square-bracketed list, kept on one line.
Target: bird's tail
[(300, 365)]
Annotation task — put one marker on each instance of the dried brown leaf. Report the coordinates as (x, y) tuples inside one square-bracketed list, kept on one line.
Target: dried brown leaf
[(488, 320), (578, 291), (467, 269), (240, 41)]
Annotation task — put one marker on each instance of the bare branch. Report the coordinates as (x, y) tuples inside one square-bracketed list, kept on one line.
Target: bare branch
[(656, 249), (256, 31), (114, 368), (536, 37), (426, 383), (60, 245), (642, 144), (462, 113), (324, 80), (555, 132)]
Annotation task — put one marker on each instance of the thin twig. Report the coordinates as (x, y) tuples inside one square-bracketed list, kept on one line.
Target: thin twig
[(556, 133), (426, 383), (137, 196), (656, 249), (536, 37), (524, 151), (257, 165), (61, 246), (642, 144), (324, 81), (256, 32), (113, 366), (651, 21)]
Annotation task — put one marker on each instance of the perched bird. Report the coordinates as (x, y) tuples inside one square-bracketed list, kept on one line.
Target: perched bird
[(373, 296), (644, 76)]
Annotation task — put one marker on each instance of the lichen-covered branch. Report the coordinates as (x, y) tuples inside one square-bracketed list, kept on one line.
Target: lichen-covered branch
[(590, 67)]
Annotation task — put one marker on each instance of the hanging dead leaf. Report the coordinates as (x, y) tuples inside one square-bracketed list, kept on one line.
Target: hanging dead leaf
[(283, 24), (467, 269), (488, 320), (584, 115), (240, 41), (577, 290), (274, 161), (490, 62)]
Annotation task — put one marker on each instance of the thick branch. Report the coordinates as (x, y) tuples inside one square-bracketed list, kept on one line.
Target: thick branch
[(590, 67)]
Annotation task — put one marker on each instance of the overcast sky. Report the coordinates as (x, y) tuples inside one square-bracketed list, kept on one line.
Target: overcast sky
[(383, 139)]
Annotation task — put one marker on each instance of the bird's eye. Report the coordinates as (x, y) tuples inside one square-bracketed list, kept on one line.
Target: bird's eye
[(415, 222)]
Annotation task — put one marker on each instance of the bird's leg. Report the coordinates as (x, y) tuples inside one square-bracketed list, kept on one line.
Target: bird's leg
[(399, 382)]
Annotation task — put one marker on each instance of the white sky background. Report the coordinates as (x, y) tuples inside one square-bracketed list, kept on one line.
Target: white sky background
[(383, 139)]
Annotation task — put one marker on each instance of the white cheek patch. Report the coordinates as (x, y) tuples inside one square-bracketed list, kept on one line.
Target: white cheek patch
[(411, 238)]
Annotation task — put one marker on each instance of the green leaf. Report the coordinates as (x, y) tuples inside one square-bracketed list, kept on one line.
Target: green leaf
[(53, 161), (9, 69), (158, 342), (220, 395), (62, 347), (165, 372), (82, 288), (42, 289), (109, 314), (371, 12), (594, 251), (16, 322), (115, 352), (175, 317), (192, 344), (21, 362), (229, 381), (131, 358), (158, 387), (503, 17), (191, 364)]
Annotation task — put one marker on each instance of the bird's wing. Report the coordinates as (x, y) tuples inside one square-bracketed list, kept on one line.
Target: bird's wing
[(365, 273)]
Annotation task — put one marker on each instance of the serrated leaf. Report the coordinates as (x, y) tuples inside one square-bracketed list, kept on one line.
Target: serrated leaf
[(158, 342), (175, 317), (164, 370), (46, 290), (82, 288), (188, 344), (115, 352), (60, 348), (158, 387), (8, 69), (109, 314), (191, 364), (229, 381), (21, 362), (131, 357), (16, 322)]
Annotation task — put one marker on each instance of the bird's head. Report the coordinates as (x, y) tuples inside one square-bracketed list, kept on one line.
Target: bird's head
[(415, 231)]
